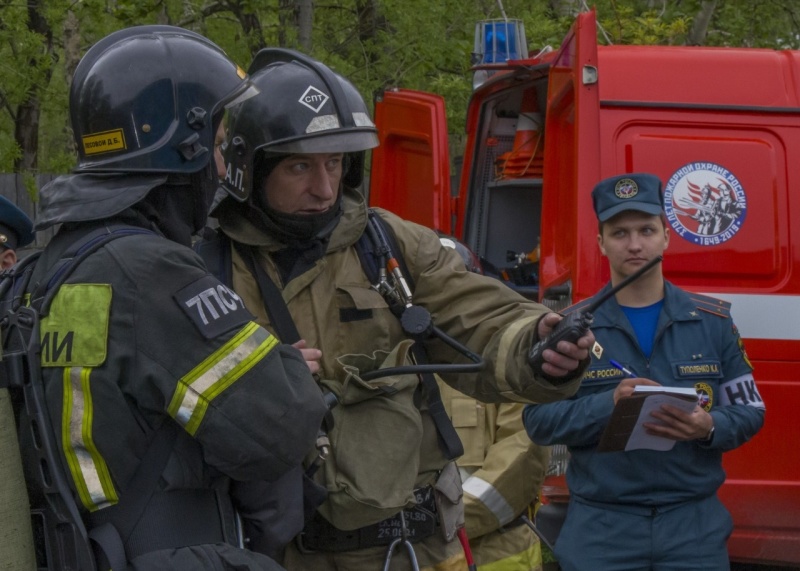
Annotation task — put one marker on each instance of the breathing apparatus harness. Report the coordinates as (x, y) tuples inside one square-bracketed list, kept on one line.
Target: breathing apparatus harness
[(382, 262)]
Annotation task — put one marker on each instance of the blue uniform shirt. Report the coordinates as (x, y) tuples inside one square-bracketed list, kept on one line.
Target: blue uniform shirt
[(696, 345)]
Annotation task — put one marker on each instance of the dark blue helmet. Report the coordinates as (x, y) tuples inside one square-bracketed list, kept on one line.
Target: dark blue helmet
[(148, 99)]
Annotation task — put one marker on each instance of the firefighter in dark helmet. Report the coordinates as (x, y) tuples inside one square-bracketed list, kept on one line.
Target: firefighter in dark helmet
[(156, 344), (294, 158)]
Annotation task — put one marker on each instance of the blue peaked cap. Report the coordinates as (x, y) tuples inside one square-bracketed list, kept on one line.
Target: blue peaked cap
[(16, 229), (632, 191)]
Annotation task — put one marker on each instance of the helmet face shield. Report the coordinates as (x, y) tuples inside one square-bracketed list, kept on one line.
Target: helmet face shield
[(302, 107)]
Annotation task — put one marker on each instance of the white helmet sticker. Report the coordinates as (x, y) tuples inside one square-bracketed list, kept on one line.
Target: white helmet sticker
[(313, 98)]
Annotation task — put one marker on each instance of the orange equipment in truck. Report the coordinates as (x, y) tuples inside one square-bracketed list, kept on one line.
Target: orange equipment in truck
[(718, 125)]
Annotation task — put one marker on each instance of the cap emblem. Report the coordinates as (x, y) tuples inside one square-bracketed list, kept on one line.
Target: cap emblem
[(626, 188)]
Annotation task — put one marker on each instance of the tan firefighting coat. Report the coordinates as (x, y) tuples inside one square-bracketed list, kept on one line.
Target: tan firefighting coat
[(503, 471), (337, 311), (15, 531)]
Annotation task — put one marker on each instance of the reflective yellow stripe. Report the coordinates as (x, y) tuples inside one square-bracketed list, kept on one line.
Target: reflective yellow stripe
[(529, 559), (216, 373), (88, 468)]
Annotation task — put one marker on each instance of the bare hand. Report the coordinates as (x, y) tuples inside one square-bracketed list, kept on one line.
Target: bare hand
[(568, 356), (310, 355), (678, 425), (626, 386)]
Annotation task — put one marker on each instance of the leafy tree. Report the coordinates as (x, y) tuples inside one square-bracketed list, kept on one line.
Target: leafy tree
[(378, 44)]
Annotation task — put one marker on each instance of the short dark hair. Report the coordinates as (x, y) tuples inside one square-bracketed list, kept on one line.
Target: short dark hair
[(662, 217)]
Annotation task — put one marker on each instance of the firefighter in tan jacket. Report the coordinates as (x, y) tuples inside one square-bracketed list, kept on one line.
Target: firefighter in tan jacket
[(295, 156), (501, 468), (502, 471)]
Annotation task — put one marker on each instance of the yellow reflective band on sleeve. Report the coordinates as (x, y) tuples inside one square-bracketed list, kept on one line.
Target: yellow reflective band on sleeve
[(218, 372), (88, 468), (530, 558), (75, 332)]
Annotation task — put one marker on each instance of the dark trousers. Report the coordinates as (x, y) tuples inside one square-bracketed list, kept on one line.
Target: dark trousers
[(690, 535)]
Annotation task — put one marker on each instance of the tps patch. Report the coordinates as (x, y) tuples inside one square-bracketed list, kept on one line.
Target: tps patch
[(313, 98), (626, 188), (705, 395), (705, 203), (75, 332), (104, 142), (741, 390), (213, 307)]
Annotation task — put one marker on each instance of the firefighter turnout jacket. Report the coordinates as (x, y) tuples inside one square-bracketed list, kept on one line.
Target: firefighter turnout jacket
[(384, 443), (139, 335), (502, 472)]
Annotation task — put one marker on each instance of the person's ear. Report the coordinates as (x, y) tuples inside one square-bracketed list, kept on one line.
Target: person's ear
[(8, 258), (600, 244)]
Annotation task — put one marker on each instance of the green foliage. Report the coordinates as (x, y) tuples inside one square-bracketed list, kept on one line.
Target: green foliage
[(416, 44)]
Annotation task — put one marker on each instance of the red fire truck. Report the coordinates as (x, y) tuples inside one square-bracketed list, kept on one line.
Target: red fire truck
[(718, 125)]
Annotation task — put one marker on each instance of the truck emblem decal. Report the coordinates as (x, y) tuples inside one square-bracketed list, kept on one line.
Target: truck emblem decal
[(313, 98), (626, 188), (705, 203)]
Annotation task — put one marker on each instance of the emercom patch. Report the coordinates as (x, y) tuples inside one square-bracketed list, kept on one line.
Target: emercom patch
[(75, 332)]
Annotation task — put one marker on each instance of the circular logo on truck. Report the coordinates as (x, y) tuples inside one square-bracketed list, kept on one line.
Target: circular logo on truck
[(705, 203)]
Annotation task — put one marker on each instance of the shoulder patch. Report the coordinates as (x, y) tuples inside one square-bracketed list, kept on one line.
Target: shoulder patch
[(213, 307), (711, 305), (75, 331)]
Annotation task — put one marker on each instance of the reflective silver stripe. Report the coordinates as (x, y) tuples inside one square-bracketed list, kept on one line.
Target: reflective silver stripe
[(201, 385), (489, 496), (88, 468), (764, 316)]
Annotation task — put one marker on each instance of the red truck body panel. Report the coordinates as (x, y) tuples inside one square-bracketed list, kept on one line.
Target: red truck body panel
[(716, 122)]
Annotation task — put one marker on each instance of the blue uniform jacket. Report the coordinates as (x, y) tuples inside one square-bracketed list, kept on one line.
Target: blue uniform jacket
[(696, 345)]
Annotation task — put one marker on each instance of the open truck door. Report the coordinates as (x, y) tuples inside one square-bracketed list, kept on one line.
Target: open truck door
[(571, 167), (532, 137), (410, 172)]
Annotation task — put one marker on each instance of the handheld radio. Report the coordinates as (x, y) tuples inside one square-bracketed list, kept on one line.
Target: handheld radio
[(575, 325)]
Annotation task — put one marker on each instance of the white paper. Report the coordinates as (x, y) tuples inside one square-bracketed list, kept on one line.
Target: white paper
[(639, 438)]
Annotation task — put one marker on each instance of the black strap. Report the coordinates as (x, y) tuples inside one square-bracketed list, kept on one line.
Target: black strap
[(117, 522), (81, 249), (124, 516), (449, 441), (276, 307)]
